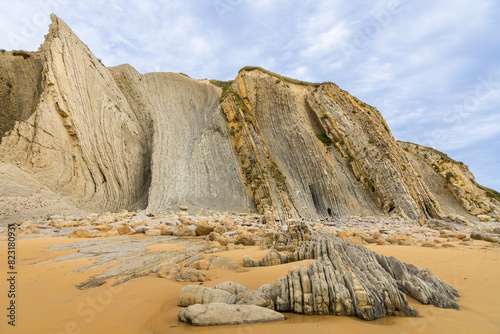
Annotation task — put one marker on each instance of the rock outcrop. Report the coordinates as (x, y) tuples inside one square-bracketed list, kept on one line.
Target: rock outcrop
[(94, 138), (346, 279), (452, 183), (225, 314)]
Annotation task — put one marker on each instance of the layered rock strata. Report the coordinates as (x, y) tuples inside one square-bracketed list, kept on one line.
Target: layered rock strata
[(105, 139), (346, 279)]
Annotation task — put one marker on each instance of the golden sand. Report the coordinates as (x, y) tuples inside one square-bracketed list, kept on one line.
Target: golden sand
[(49, 302)]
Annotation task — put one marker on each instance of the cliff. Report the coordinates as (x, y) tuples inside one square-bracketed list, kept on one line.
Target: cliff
[(104, 139)]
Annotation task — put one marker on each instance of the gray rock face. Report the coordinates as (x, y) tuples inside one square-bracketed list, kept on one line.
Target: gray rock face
[(273, 258), (231, 287), (189, 275), (192, 161), (350, 280), (224, 314), (223, 262), (251, 297), (196, 294), (249, 261)]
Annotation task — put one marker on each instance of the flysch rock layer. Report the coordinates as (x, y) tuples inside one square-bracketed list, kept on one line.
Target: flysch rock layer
[(104, 139), (192, 162), (350, 280), (343, 280)]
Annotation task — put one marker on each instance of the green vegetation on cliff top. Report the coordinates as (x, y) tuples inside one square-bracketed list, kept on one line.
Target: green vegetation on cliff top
[(444, 156), (290, 80)]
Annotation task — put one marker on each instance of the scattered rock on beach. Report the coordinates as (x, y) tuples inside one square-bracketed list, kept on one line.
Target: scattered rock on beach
[(80, 233), (245, 239), (225, 314), (223, 262)]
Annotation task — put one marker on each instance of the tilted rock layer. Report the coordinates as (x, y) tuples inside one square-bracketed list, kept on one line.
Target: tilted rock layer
[(343, 280), (346, 279), (98, 138)]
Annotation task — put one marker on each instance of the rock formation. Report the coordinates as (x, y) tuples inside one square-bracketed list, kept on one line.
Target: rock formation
[(226, 314), (76, 135), (344, 280)]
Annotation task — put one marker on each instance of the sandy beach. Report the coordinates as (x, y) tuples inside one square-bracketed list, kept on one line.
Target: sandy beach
[(49, 302)]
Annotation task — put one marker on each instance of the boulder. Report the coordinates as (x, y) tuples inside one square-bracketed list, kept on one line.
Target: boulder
[(342, 235), (125, 230), (391, 239), (223, 241), (220, 229), (103, 229), (357, 240), (153, 232), (80, 233), (190, 275), (222, 262), (214, 235), (214, 244), (213, 250), (197, 294), (484, 237), (168, 271), (252, 297), (112, 233), (272, 258), (203, 227), (164, 230), (405, 241), (200, 265), (227, 222), (223, 314), (245, 239), (141, 228), (249, 261), (231, 287), (185, 231)]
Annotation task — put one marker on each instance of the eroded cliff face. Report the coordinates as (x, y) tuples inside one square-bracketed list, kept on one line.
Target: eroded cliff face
[(95, 138), (192, 162), (457, 181), (111, 139), (82, 140), (20, 87), (288, 169), (314, 150)]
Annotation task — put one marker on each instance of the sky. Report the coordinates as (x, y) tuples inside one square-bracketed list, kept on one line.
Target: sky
[(432, 68)]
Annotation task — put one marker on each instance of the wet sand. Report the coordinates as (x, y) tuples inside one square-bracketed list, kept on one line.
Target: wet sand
[(49, 302)]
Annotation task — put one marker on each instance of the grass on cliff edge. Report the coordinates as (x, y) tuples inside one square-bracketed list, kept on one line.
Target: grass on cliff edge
[(290, 80), (21, 53), (489, 192), (225, 85), (441, 154)]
